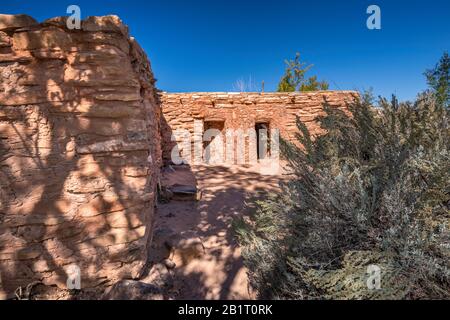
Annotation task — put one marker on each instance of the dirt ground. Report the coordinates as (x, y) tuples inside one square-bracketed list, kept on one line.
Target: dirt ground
[(205, 261), (217, 272)]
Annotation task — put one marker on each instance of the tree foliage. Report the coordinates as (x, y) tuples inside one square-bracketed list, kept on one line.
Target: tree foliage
[(439, 81), (294, 78)]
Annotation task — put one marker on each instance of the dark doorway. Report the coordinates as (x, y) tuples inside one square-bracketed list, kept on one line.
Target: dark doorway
[(216, 125), (262, 140)]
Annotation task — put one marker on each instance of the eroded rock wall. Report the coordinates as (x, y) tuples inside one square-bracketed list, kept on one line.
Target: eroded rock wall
[(243, 111), (79, 151)]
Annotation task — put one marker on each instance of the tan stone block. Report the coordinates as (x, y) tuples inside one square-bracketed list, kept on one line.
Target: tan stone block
[(91, 109), (102, 38), (49, 54), (112, 145), (118, 96), (129, 218), (28, 253), (50, 37), (136, 171), (23, 57), (11, 221), (103, 203), (60, 22), (9, 21), (106, 24)]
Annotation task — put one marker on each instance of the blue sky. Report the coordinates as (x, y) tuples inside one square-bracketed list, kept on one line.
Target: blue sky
[(209, 45)]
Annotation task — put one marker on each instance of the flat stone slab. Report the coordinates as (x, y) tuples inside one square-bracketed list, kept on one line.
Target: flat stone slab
[(184, 192), (11, 21)]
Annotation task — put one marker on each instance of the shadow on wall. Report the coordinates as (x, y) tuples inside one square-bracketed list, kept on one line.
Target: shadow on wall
[(79, 118), (168, 144)]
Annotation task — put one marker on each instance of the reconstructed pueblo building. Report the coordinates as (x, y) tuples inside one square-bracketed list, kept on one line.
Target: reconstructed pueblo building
[(247, 114), (83, 136)]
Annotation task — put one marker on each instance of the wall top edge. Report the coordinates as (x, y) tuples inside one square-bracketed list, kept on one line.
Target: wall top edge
[(212, 93)]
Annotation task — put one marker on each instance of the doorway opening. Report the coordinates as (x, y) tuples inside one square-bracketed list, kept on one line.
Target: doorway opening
[(213, 141), (262, 140)]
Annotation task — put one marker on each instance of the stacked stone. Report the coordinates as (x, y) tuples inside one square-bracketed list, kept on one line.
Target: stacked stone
[(243, 110), (79, 151)]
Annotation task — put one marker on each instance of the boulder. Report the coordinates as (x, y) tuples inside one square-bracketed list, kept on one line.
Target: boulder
[(133, 290), (159, 276), (169, 264)]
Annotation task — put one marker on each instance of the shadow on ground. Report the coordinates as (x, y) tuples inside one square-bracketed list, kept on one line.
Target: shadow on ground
[(226, 193)]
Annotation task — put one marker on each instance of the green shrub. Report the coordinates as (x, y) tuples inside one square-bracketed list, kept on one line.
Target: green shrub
[(373, 190)]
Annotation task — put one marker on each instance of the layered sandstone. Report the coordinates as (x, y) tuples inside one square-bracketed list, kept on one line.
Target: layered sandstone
[(79, 151), (242, 111)]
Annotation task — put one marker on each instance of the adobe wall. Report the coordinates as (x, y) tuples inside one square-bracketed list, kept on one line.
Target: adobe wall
[(243, 110), (79, 151)]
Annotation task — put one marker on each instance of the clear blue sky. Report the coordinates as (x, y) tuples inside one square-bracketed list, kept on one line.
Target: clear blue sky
[(208, 45)]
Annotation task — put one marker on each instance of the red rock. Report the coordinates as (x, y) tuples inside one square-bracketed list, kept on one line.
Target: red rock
[(10, 22), (75, 183), (50, 37), (105, 24)]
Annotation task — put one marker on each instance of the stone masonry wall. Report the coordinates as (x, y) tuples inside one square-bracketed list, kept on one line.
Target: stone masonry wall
[(243, 110), (79, 151)]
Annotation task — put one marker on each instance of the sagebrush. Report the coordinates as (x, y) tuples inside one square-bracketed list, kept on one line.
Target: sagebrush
[(373, 190)]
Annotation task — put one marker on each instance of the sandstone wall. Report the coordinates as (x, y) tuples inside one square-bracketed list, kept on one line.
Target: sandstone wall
[(243, 110), (79, 151)]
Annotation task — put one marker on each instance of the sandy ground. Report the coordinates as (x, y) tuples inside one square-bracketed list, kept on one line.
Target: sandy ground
[(219, 272)]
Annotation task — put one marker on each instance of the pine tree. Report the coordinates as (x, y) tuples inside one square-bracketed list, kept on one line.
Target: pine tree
[(439, 81), (294, 78)]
